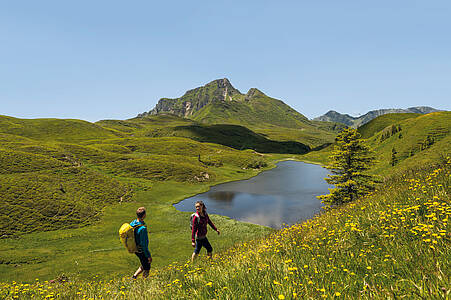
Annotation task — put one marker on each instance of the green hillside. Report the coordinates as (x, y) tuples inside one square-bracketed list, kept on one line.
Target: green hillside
[(417, 140), (55, 199), (73, 182), (369, 129), (282, 140), (53, 129), (256, 108)]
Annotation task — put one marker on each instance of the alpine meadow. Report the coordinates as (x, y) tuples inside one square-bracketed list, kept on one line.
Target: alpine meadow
[(67, 185)]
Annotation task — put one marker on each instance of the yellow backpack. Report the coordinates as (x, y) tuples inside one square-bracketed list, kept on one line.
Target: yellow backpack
[(127, 237)]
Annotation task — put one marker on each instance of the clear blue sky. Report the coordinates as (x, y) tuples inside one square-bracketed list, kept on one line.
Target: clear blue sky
[(96, 60)]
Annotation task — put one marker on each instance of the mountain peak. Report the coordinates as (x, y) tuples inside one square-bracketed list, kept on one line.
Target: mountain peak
[(219, 102), (221, 83), (193, 100), (254, 92)]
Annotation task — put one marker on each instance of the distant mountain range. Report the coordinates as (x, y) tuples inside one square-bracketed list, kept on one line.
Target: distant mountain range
[(333, 116)]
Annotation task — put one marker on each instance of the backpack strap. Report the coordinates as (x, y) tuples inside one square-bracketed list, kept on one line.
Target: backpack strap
[(135, 229), (198, 217)]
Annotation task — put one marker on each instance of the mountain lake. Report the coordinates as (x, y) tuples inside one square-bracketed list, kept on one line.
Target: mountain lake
[(276, 198)]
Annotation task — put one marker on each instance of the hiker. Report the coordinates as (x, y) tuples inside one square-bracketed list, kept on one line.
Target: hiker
[(142, 243), (199, 231)]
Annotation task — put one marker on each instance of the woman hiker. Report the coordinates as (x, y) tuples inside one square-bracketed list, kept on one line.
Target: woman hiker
[(199, 231)]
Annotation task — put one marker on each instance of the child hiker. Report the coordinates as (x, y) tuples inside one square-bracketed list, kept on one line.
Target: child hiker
[(199, 231), (142, 242)]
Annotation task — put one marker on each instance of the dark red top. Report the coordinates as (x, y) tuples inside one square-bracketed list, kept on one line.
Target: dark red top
[(200, 227)]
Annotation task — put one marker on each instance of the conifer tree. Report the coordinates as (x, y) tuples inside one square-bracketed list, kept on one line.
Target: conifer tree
[(393, 159), (349, 160)]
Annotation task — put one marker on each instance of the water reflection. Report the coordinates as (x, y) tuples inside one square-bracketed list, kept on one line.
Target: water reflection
[(222, 196), (284, 195)]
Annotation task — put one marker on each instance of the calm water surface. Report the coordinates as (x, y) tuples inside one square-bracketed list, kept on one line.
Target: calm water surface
[(283, 195)]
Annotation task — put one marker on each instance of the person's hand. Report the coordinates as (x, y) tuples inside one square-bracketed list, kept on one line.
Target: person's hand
[(150, 260), (218, 232), (193, 244)]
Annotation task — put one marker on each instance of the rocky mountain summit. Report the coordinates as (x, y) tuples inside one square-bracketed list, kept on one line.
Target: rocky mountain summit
[(219, 102), (195, 99), (333, 116)]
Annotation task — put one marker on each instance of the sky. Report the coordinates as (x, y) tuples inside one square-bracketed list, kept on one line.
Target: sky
[(95, 60)]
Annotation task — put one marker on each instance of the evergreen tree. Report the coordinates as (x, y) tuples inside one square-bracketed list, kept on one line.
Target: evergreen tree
[(349, 160), (393, 160)]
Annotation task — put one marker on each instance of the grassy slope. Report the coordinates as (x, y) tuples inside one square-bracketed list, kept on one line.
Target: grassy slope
[(269, 117), (53, 129), (409, 142), (369, 129), (235, 136), (391, 244)]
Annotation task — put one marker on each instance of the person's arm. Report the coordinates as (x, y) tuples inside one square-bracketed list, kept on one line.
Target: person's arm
[(212, 225), (193, 232), (144, 242)]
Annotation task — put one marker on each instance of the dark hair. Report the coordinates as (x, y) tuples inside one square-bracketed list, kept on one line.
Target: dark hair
[(141, 212), (204, 208)]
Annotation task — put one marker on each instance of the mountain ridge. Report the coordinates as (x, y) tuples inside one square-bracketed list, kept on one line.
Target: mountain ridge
[(334, 116), (197, 104), (218, 102)]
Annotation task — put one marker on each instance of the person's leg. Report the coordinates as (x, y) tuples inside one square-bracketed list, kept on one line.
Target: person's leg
[(209, 248), (196, 250), (140, 269), (145, 266)]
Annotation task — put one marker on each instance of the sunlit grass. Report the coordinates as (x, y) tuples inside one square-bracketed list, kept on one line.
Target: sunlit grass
[(391, 244)]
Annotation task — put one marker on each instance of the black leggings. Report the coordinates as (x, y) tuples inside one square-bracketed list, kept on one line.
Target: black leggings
[(203, 243), (144, 261)]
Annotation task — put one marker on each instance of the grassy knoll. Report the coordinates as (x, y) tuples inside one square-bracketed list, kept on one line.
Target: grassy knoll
[(369, 129), (54, 129), (391, 244), (417, 141)]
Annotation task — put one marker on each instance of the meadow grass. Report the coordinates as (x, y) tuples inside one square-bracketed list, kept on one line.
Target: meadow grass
[(393, 244)]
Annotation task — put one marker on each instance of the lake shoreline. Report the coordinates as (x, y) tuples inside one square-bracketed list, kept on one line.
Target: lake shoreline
[(274, 197)]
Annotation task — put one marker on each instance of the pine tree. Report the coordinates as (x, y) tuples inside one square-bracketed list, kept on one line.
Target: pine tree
[(349, 160), (393, 159)]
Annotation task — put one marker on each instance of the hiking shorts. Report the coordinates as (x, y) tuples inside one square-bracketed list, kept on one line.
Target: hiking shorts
[(203, 243), (144, 261)]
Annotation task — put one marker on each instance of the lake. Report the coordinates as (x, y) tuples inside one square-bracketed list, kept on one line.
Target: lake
[(278, 197)]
